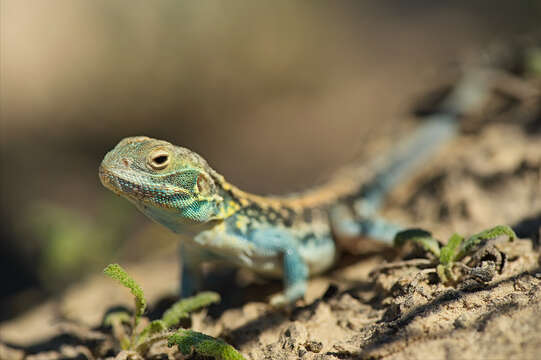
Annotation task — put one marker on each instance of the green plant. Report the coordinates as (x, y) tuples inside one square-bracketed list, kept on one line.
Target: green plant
[(137, 344), (533, 61), (189, 340), (450, 255)]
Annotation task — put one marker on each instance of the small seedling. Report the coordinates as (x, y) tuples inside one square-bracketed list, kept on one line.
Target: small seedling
[(139, 342), (188, 341), (456, 249)]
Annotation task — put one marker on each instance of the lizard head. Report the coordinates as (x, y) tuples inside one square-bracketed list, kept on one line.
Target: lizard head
[(168, 183)]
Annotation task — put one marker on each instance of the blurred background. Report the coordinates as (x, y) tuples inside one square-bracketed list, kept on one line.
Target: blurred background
[(275, 95)]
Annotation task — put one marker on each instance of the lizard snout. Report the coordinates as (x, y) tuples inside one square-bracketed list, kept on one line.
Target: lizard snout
[(107, 179)]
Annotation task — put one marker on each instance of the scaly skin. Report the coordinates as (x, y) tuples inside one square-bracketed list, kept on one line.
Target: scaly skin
[(290, 237)]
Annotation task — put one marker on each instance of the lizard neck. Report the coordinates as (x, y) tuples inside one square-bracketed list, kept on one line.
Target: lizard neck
[(271, 209), (294, 211), (236, 199), (233, 200)]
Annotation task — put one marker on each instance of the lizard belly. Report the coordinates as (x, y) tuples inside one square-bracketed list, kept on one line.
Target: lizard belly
[(319, 256), (240, 251), (258, 246)]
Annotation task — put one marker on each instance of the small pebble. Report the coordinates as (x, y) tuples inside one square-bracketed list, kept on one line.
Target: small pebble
[(313, 346)]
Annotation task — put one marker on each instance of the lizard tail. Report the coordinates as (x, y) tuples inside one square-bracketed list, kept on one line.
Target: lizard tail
[(404, 160), (356, 213), (469, 93), (367, 196)]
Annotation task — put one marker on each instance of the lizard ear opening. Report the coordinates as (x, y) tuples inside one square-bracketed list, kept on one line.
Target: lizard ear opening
[(204, 186)]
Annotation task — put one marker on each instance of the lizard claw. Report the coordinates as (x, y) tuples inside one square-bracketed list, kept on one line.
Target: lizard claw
[(288, 297), (278, 301)]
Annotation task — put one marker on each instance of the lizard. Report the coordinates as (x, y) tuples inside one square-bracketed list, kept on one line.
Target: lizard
[(290, 237)]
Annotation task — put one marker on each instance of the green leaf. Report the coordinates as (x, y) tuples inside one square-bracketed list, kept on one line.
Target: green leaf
[(420, 237), (442, 273), (189, 340), (119, 317), (450, 251), (115, 321), (533, 61), (116, 272), (154, 327), (493, 233), (182, 308)]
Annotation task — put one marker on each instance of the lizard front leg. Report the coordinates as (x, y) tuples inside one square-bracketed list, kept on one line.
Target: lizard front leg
[(191, 275), (295, 275), (275, 242)]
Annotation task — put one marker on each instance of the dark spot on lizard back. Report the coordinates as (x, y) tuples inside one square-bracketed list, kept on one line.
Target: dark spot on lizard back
[(289, 216), (307, 215)]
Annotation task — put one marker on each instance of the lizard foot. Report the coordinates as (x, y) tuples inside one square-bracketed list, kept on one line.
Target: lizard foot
[(289, 297)]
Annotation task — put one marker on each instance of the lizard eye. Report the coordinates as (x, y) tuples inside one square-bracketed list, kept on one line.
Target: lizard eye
[(158, 159)]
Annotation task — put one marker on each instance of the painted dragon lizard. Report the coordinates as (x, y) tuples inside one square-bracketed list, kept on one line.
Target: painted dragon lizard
[(291, 237)]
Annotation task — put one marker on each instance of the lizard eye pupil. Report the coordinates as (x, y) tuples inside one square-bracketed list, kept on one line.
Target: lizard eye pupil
[(158, 160)]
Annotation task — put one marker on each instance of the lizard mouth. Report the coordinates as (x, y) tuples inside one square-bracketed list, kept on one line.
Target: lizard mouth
[(120, 186), (107, 179), (121, 183)]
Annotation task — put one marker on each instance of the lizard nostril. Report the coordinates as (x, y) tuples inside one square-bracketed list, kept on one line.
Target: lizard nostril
[(125, 162)]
